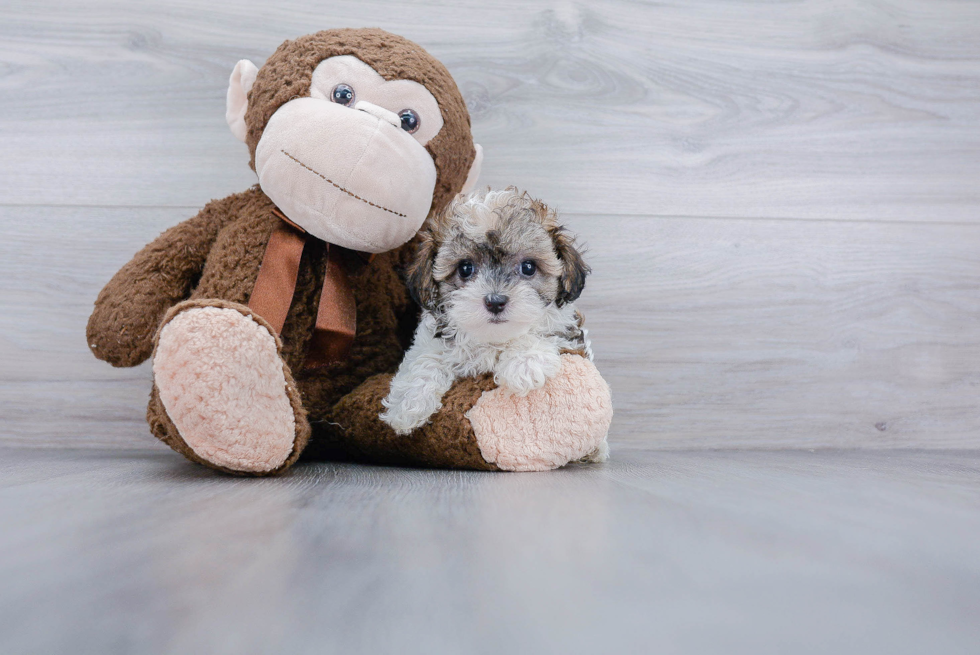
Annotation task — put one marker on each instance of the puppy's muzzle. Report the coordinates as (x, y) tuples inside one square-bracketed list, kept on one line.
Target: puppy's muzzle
[(495, 303)]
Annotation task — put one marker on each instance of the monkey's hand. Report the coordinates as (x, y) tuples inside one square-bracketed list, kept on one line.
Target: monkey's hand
[(129, 309), (523, 371)]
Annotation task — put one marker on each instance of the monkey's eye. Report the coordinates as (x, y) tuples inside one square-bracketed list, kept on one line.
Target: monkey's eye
[(410, 120), (528, 268), (466, 269), (342, 94)]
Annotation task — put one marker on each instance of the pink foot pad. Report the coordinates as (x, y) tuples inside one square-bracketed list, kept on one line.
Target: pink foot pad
[(222, 383), (565, 420)]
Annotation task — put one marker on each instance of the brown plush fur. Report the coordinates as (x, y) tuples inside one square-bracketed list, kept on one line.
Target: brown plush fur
[(447, 442), (214, 259)]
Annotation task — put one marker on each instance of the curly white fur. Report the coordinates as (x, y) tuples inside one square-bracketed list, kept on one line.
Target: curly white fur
[(497, 275), (435, 361)]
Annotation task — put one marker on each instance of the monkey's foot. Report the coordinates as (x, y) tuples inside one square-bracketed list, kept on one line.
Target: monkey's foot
[(226, 389), (564, 421)]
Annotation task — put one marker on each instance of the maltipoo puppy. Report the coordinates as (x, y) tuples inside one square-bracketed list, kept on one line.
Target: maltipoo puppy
[(496, 276)]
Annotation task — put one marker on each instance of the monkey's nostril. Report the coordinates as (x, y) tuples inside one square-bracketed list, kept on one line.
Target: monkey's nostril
[(495, 302)]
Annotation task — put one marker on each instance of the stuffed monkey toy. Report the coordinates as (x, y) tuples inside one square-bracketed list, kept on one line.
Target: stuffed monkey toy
[(276, 316)]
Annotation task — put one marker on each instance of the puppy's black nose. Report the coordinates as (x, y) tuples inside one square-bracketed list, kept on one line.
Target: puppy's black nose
[(495, 303)]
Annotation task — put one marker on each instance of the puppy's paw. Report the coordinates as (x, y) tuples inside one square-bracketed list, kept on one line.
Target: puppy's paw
[(401, 423), (522, 373), (409, 410)]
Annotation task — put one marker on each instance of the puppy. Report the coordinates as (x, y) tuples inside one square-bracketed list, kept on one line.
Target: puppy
[(496, 276)]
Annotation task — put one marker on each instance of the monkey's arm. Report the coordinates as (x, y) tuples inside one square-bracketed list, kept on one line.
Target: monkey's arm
[(482, 427), (447, 441), (128, 310)]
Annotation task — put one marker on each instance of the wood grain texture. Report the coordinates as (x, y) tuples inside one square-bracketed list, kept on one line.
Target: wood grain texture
[(708, 552), (712, 333), (855, 109), (780, 198), (781, 204), (763, 333)]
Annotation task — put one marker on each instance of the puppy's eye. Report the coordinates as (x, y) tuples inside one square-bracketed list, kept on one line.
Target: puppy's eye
[(528, 268), (410, 120), (342, 94), (466, 269)]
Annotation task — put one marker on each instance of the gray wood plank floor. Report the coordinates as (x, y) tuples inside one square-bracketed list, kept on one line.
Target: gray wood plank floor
[(782, 209), (859, 552)]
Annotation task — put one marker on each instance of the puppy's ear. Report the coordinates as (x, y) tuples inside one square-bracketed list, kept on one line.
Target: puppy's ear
[(571, 281), (421, 282)]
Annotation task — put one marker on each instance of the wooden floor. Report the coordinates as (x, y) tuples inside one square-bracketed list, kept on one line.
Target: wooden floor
[(859, 552), (782, 208)]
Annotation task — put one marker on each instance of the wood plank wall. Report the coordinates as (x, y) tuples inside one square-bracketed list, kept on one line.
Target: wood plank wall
[(780, 199)]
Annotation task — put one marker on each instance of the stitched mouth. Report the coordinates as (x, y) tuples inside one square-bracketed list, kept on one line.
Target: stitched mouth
[(342, 189)]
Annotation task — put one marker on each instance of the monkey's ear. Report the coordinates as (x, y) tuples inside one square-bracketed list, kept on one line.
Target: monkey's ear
[(474, 174), (421, 282), (573, 267), (236, 102)]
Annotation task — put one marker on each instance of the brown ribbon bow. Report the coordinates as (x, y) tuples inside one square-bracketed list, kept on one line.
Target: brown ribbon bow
[(336, 317)]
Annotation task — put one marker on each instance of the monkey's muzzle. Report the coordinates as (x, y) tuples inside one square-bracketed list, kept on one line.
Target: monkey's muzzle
[(345, 176)]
